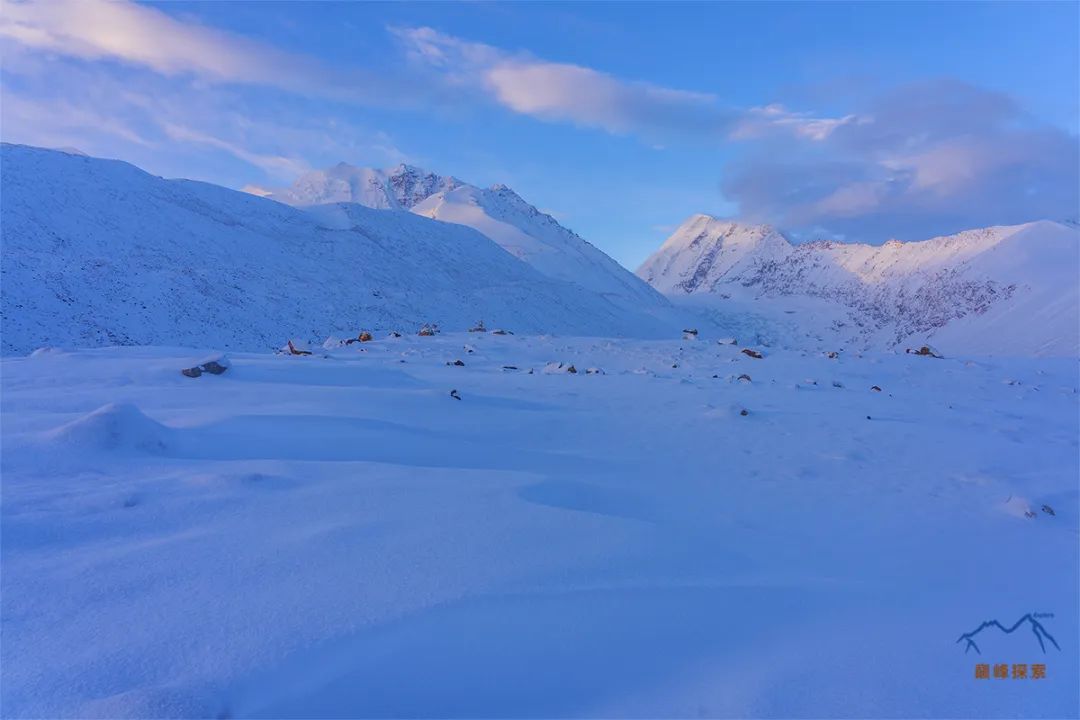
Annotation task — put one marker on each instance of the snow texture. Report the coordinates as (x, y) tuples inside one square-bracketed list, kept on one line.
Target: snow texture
[(334, 535)]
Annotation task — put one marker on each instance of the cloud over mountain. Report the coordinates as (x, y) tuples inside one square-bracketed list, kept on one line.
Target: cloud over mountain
[(930, 157)]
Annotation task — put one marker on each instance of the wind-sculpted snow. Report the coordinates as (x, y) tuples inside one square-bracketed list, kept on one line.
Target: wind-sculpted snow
[(1005, 290), (693, 533), (98, 252)]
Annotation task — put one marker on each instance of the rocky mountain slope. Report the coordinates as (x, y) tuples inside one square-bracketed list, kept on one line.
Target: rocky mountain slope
[(497, 212), (1008, 290), (98, 252)]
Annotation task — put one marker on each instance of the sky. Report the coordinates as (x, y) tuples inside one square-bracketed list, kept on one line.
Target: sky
[(857, 122)]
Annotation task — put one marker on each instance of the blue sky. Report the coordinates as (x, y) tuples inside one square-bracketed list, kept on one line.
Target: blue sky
[(853, 121)]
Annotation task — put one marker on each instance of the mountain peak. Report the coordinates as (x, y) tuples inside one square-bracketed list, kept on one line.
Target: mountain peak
[(976, 287), (406, 169), (499, 213), (707, 229), (705, 249)]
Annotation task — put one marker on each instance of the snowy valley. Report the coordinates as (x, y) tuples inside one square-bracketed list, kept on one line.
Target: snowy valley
[(738, 499), (693, 532)]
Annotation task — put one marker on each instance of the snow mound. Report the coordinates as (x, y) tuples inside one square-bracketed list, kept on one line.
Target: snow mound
[(115, 427), (46, 351)]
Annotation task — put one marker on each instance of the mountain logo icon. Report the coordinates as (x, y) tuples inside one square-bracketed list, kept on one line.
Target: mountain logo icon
[(1037, 628)]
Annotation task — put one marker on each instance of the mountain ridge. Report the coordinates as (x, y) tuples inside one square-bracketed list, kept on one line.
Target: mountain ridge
[(100, 252), (497, 212), (965, 289)]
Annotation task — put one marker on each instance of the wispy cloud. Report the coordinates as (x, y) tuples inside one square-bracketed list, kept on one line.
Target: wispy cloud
[(162, 122), (145, 37), (279, 166), (100, 29), (760, 122), (563, 92), (920, 160)]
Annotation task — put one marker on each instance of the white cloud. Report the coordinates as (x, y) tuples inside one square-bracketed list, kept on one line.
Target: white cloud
[(145, 37), (176, 126), (100, 29), (759, 122), (920, 160), (278, 166), (564, 92)]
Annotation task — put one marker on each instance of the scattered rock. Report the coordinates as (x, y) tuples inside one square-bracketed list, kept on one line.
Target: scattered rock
[(216, 367), (690, 331), (744, 412), (456, 363), (752, 353), (469, 348), (594, 371), (509, 367), (454, 394), (394, 334), (744, 377), (365, 337), (727, 341), (501, 332), (1048, 510), (428, 330), (1029, 514), (479, 327), (810, 381), (925, 350), (875, 388), (832, 354), (295, 347), (192, 372), (838, 384)]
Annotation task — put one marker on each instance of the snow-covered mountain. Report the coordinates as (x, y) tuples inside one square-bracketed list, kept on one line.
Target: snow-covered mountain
[(399, 188), (497, 212), (99, 252), (1011, 290)]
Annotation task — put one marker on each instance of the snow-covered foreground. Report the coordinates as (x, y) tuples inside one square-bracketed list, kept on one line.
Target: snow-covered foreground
[(336, 535)]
